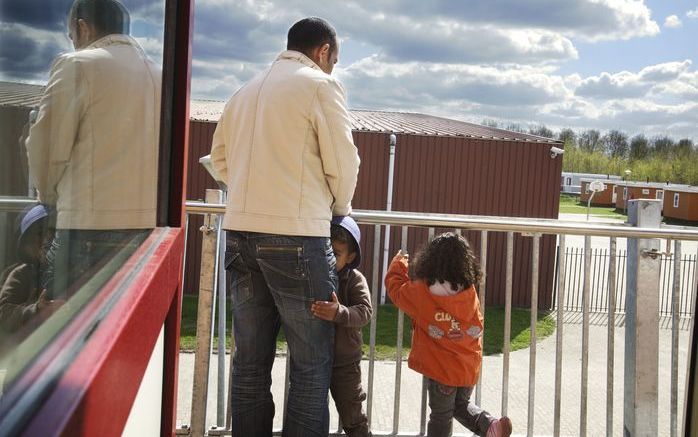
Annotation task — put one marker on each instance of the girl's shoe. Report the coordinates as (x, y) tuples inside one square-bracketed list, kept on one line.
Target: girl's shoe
[(500, 428)]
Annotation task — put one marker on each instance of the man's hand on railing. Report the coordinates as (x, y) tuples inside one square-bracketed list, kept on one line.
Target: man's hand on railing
[(326, 310)]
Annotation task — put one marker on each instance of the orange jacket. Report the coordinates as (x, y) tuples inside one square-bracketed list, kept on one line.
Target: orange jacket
[(446, 329)]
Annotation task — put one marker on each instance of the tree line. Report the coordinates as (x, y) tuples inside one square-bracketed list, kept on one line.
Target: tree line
[(657, 159)]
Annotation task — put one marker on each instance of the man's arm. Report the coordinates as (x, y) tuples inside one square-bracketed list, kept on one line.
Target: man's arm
[(220, 166), (358, 310), (52, 137), (340, 159)]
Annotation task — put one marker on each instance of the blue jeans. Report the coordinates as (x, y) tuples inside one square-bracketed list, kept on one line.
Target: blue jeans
[(273, 281), (75, 255)]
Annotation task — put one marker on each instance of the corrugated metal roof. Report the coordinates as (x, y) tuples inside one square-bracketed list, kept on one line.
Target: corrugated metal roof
[(394, 122), (20, 94), (421, 124)]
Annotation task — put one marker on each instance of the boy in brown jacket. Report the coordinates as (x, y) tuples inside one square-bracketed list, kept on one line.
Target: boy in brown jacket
[(350, 311)]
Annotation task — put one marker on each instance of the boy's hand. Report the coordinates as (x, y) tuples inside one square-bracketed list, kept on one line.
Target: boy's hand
[(326, 310)]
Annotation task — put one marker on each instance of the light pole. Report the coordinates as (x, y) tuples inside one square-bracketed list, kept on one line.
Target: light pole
[(625, 193)]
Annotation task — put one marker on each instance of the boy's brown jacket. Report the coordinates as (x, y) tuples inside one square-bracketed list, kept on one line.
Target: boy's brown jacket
[(354, 312), (446, 329)]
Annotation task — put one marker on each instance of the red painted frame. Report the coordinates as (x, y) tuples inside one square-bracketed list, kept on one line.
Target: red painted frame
[(95, 394)]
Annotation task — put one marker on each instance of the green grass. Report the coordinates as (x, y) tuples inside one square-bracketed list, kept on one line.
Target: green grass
[(386, 330), (570, 205)]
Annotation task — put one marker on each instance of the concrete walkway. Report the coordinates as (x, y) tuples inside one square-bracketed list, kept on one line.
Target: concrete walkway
[(492, 385)]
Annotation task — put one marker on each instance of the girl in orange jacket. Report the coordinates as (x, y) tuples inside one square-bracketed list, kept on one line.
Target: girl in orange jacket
[(447, 327)]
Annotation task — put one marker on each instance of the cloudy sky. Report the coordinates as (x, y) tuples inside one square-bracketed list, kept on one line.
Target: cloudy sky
[(604, 64)]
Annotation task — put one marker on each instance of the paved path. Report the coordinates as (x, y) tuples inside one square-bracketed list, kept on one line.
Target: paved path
[(492, 381)]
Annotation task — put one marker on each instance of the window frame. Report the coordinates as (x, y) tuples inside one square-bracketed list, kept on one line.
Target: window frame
[(69, 388)]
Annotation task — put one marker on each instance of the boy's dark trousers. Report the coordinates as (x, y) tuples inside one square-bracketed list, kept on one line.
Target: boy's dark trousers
[(348, 397)]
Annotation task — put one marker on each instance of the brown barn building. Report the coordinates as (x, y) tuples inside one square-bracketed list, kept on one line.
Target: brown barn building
[(606, 197), (441, 166), (681, 203)]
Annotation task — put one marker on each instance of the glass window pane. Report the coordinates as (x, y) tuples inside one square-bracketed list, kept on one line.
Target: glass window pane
[(80, 90)]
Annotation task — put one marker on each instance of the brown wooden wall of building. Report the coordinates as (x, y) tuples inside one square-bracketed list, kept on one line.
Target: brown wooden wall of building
[(602, 198), (442, 175), (687, 209)]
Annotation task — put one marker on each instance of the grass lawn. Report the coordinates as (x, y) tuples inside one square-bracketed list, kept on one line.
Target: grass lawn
[(386, 330), (570, 205)]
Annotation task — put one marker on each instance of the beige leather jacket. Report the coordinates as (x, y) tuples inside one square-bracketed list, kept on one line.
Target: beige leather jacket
[(93, 151), (284, 148)]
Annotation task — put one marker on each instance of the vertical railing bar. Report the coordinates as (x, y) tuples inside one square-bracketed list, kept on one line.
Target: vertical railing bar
[(204, 316), (694, 287), (558, 339), (673, 430), (610, 346), (423, 409), (287, 381), (577, 274), (483, 298), (585, 338), (593, 276), (375, 286), (534, 320), (221, 290), (685, 278), (507, 321), (184, 254), (398, 352), (423, 413)]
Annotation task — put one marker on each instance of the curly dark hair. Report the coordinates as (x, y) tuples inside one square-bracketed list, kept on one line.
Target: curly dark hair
[(447, 258)]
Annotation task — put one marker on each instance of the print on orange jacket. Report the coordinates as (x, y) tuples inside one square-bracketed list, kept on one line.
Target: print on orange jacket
[(446, 329)]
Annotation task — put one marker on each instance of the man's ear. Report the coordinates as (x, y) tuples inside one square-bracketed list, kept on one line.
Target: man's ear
[(321, 53)]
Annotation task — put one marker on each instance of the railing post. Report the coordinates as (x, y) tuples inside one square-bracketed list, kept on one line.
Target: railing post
[(204, 317), (642, 323)]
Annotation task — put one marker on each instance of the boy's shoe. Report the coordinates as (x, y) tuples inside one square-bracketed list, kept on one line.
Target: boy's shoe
[(500, 428)]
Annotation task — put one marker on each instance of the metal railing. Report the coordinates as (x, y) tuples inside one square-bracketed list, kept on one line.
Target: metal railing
[(600, 259), (533, 228)]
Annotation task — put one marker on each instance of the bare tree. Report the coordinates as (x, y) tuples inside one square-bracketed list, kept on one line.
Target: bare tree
[(515, 127), (568, 137), (616, 143), (684, 147), (639, 147), (590, 140), (662, 145), (541, 131)]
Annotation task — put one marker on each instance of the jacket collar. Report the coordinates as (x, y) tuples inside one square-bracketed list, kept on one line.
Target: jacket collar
[(114, 39), (298, 57)]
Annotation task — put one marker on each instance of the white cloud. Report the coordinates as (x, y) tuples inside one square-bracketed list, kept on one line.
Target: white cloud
[(624, 85), (656, 99), (672, 22), (692, 13)]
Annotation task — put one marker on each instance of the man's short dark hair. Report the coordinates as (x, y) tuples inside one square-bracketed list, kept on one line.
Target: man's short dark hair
[(107, 16), (311, 33)]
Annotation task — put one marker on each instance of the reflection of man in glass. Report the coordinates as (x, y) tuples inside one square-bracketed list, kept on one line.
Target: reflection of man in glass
[(93, 149), (284, 148)]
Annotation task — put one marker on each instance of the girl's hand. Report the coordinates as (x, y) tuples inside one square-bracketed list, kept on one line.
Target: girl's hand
[(400, 255)]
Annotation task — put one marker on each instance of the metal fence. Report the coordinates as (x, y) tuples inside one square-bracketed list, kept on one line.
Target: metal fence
[(599, 286), (532, 228)]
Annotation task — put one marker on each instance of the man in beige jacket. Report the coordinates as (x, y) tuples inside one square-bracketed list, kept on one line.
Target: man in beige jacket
[(93, 149), (284, 148)]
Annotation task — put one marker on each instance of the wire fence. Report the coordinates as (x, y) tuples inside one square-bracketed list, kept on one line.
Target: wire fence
[(574, 278)]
